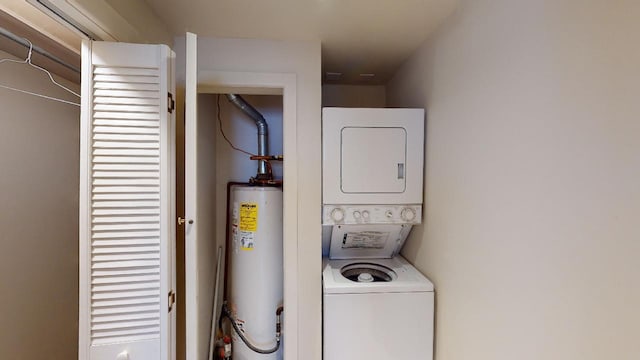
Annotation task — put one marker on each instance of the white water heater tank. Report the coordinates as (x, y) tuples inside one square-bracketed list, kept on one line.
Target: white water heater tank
[(256, 276)]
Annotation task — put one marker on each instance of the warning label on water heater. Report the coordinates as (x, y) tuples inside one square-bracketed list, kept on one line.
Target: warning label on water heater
[(249, 217), (248, 225)]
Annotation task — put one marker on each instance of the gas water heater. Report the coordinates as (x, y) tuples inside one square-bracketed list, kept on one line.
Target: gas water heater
[(254, 302), (256, 269)]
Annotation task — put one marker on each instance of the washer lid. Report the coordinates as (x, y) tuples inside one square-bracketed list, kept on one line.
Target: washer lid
[(367, 241), (365, 272), (338, 275)]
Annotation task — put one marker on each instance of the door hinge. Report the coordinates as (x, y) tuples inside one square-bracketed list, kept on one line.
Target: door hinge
[(171, 104), (172, 299)]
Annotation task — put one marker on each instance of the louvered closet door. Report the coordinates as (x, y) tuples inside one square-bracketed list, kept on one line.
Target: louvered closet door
[(127, 202)]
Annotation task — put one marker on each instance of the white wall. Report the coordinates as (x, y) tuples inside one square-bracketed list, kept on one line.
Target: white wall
[(241, 130), (39, 172), (303, 60), (532, 199), (373, 96)]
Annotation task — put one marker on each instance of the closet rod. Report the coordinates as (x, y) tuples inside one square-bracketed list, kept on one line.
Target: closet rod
[(8, 34)]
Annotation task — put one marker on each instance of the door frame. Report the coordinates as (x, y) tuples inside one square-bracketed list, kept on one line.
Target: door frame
[(255, 83)]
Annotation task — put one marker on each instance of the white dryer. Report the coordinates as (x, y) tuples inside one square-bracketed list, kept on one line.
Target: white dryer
[(372, 156)]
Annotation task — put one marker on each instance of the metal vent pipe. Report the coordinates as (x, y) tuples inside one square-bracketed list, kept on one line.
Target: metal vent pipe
[(261, 124)]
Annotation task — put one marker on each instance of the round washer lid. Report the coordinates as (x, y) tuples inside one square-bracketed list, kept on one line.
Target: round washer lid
[(364, 272), (408, 279)]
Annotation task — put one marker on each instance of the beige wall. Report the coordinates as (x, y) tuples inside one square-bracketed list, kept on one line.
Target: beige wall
[(39, 159), (372, 96), (532, 197)]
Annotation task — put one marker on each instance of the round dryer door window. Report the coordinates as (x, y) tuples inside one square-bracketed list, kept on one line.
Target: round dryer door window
[(367, 272)]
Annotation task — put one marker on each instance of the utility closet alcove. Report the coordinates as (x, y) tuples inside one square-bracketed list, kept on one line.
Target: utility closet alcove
[(225, 136), (250, 242)]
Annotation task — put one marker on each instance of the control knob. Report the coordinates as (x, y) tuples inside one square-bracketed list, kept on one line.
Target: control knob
[(408, 214), (337, 214)]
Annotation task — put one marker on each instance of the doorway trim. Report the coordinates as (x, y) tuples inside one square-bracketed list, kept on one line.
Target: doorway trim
[(257, 83)]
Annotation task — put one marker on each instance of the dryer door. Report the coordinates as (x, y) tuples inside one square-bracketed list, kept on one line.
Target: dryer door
[(372, 156), (372, 159)]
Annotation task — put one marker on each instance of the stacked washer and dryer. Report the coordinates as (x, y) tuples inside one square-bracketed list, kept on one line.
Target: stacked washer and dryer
[(375, 304)]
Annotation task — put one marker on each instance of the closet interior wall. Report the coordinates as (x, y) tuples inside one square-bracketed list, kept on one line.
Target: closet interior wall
[(39, 163)]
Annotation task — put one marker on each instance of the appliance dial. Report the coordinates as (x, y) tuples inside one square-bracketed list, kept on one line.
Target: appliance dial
[(365, 277), (389, 214), (365, 214), (337, 214), (408, 214), (356, 214)]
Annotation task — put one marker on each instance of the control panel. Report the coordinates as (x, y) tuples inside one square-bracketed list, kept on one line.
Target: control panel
[(371, 214)]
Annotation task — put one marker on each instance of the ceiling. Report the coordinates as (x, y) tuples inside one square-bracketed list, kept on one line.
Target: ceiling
[(358, 36)]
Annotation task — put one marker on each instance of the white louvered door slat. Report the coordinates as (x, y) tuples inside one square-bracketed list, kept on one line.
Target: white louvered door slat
[(127, 203)]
